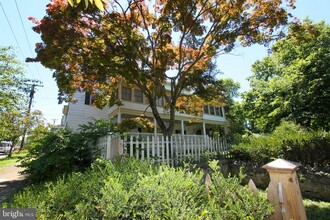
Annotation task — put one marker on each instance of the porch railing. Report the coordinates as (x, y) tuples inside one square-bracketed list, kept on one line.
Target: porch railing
[(160, 149)]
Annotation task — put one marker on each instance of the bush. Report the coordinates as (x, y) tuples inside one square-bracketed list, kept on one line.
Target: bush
[(61, 151), (230, 200), (312, 151), (289, 142), (57, 153), (257, 149), (133, 189)]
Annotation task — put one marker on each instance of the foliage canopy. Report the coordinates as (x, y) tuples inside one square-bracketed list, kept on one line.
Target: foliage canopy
[(293, 83), (13, 97), (160, 47)]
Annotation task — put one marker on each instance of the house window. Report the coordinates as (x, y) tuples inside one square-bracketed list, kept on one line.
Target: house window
[(212, 110), (221, 112), (126, 94), (206, 109), (138, 96), (217, 110), (89, 98)]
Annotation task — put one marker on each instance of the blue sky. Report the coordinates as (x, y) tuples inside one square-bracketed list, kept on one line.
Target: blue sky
[(236, 66)]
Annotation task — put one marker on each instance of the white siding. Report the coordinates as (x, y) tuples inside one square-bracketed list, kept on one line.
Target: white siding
[(79, 113)]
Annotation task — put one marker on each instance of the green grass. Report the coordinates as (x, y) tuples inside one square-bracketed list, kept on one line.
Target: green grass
[(317, 209), (7, 162)]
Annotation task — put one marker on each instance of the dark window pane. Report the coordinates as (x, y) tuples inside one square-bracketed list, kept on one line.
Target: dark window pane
[(206, 109), (138, 96), (126, 93)]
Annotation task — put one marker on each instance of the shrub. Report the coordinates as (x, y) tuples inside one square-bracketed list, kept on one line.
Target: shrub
[(258, 149), (168, 194), (289, 142), (312, 151), (131, 189), (58, 152), (62, 151), (230, 200)]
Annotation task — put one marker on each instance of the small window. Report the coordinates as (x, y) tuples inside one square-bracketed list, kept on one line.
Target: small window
[(206, 109), (138, 96), (221, 112), (126, 94), (212, 110), (217, 111), (117, 93), (89, 98)]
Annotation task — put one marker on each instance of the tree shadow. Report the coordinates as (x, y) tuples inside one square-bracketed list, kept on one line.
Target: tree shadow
[(9, 188)]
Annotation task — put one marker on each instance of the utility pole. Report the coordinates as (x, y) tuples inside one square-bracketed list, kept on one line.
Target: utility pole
[(32, 91)]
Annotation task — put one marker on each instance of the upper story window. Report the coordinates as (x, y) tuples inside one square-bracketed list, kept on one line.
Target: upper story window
[(89, 98), (218, 111), (211, 110), (206, 109), (126, 94), (221, 112), (138, 96)]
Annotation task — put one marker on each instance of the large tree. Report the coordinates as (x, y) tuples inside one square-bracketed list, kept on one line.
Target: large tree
[(293, 82), (235, 114), (13, 96), (153, 45), (11, 81)]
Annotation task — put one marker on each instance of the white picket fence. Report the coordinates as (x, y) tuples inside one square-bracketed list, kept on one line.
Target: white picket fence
[(160, 149)]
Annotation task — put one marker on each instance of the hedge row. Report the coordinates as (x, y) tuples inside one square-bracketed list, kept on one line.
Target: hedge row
[(289, 142), (133, 189)]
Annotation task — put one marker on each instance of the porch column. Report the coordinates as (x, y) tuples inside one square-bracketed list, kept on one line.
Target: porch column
[(155, 127), (204, 128), (119, 116), (182, 127)]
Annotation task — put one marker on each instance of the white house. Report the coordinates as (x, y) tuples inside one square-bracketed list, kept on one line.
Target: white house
[(135, 104)]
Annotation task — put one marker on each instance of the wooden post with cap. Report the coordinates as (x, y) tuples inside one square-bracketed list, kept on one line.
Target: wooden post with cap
[(284, 191)]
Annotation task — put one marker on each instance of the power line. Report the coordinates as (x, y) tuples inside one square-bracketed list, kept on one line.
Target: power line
[(26, 37), (29, 44), (12, 31)]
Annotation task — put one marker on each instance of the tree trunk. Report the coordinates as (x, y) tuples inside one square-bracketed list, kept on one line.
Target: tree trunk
[(167, 131), (11, 150)]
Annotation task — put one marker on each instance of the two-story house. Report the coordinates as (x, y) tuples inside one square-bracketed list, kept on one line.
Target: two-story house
[(135, 104)]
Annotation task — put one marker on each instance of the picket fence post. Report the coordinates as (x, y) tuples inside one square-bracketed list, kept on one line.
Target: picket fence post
[(284, 191)]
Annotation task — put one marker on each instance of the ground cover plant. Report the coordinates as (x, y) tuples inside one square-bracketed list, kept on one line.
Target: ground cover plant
[(131, 189)]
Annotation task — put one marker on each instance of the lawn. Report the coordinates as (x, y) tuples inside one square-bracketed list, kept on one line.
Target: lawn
[(7, 162)]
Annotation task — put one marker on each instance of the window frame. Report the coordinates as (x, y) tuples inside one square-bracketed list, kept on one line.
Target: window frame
[(139, 98), (126, 93)]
